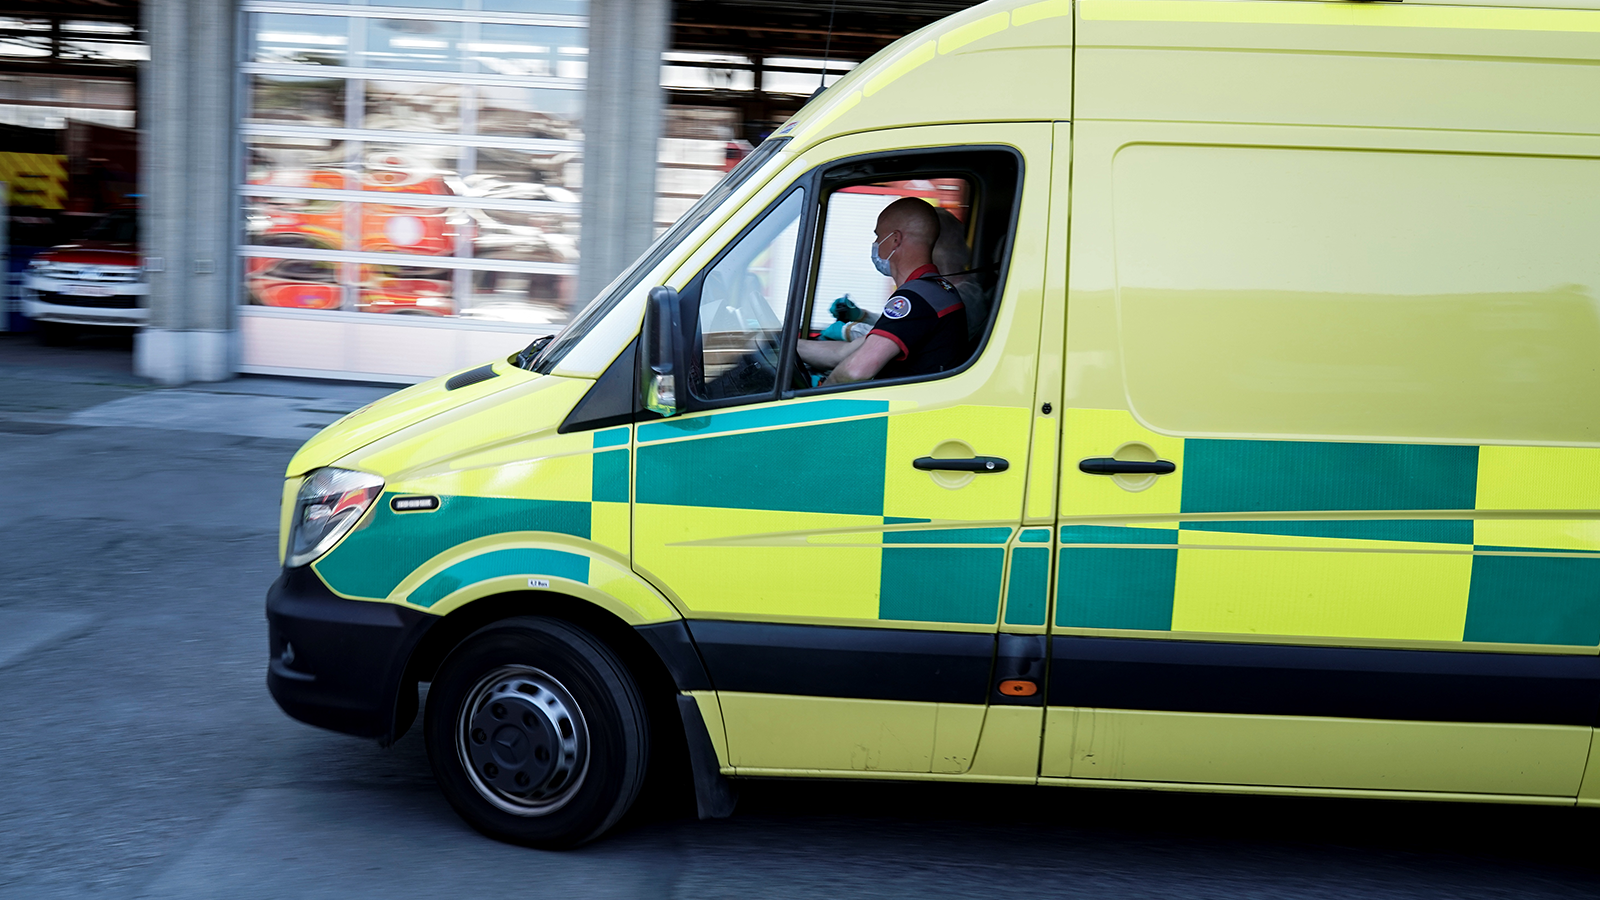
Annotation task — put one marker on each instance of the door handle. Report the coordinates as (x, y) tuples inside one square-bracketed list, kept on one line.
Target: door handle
[(1105, 465), (979, 464)]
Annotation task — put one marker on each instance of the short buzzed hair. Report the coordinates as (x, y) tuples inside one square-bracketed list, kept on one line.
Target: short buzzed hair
[(913, 218)]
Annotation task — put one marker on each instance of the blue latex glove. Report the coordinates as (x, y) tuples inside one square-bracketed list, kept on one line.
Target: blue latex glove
[(845, 310), (834, 332)]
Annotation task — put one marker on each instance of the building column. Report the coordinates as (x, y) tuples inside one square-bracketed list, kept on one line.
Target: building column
[(621, 126), (187, 213)]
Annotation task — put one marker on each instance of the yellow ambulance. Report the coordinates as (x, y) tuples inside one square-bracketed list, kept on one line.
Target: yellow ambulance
[(1274, 465)]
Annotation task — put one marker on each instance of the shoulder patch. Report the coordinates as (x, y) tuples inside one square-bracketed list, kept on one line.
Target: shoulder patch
[(897, 308)]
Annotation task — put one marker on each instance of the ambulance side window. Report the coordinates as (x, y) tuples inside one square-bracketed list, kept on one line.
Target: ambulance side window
[(845, 271), (974, 192), (742, 304)]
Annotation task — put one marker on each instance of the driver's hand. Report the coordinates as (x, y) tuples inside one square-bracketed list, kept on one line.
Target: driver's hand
[(845, 310)]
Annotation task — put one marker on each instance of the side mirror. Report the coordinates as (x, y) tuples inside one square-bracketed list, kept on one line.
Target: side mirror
[(661, 364)]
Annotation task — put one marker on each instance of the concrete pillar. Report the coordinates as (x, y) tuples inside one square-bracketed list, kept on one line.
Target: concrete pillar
[(186, 123), (621, 124)]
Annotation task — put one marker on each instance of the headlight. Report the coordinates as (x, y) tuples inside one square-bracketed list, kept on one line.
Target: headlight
[(330, 503)]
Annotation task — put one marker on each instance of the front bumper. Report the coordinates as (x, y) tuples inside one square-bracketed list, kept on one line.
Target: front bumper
[(38, 308), (340, 664)]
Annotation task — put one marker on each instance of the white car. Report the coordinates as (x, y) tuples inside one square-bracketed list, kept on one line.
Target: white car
[(95, 281)]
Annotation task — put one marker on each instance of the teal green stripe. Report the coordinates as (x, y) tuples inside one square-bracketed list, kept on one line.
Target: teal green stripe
[(1260, 476), (948, 585), (498, 564), (1029, 586), (901, 520), (949, 536), (761, 417), (1116, 587), (791, 469), (373, 560), (1534, 600), (1115, 534), (1533, 549), (612, 437), (1433, 531), (609, 481), (1036, 536)]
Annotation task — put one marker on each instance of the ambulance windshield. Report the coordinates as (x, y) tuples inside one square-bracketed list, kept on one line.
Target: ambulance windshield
[(601, 306)]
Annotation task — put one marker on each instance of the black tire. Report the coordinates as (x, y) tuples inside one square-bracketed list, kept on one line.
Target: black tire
[(54, 334), (537, 733)]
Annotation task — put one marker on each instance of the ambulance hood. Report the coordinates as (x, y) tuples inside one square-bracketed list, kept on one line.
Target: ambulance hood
[(406, 409)]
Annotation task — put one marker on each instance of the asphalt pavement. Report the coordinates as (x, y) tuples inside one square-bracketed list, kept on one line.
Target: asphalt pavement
[(141, 757)]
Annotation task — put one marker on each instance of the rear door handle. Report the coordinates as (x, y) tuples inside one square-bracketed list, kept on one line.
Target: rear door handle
[(979, 464), (1105, 465)]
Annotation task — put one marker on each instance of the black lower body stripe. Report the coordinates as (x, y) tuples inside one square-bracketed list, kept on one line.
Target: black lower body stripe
[(865, 663), (1277, 680), (1163, 675)]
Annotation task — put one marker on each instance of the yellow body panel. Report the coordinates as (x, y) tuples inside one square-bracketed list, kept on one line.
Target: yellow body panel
[(773, 731), (1317, 592), (712, 561), (1453, 75), (1285, 320), (1560, 482), (1296, 751), (1279, 791), (1009, 749), (989, 430), (1042, 468), (397, 411), (1342, 14), (1089, 433), (1589, 791), (1008, 752), (956, 733), (711, 714), (611, 525), (291, 490), (776, 731), (949, 72), (1361, 368), (1048, 409), (497, 445)]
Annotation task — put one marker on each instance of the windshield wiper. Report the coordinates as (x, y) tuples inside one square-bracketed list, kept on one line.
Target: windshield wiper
[(523, 359)]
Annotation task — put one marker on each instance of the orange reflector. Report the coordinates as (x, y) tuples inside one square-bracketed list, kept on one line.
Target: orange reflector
[(1018, 687)]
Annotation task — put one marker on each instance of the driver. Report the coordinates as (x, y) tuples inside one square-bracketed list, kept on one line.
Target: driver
[(923, 328)]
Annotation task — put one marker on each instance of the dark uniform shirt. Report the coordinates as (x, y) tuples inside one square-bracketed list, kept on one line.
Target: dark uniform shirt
[(926, 319)]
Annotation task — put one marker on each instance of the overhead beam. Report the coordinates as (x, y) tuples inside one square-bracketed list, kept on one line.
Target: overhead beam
[(796, 28)]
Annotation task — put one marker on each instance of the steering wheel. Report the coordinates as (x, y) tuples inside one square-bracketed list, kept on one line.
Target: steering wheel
[(767, 356), (804, 376)]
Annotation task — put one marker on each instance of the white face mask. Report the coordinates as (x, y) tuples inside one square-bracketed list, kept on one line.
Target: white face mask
[(879, 262)]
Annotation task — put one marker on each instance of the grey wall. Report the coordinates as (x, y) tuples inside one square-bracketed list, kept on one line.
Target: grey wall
[(621, 124), (186, 124)]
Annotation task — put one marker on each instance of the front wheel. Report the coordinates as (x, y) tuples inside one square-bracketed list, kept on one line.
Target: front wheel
[(536, 733)]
